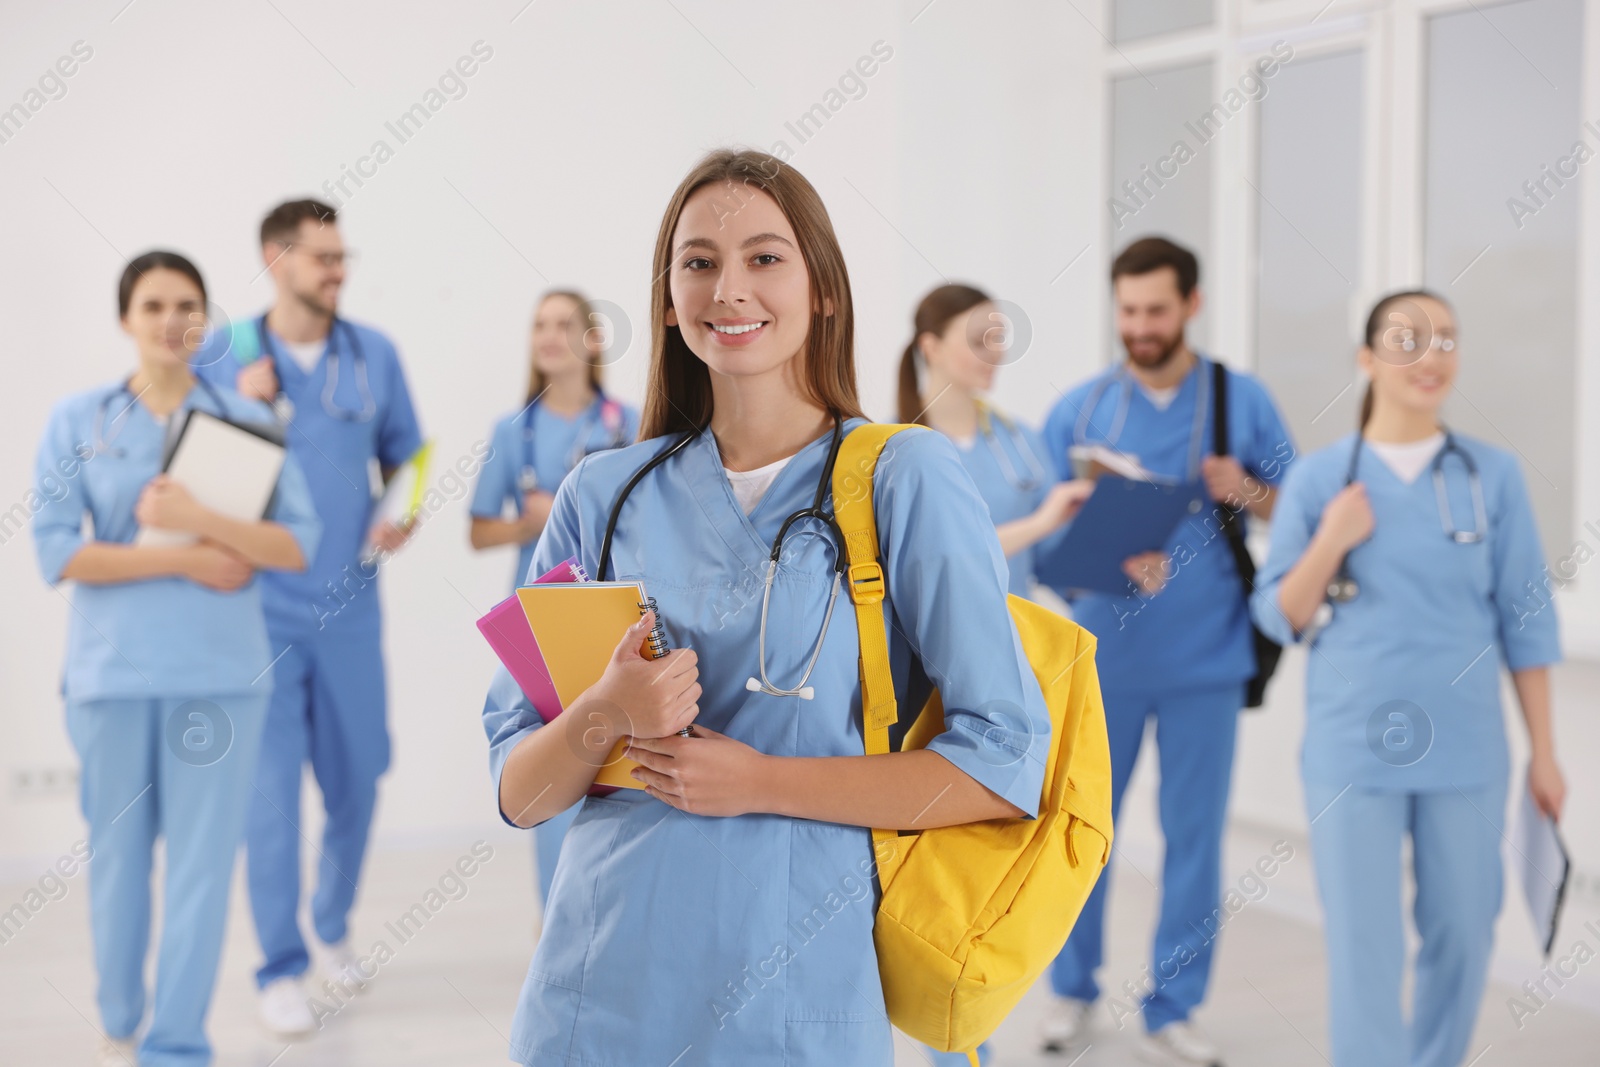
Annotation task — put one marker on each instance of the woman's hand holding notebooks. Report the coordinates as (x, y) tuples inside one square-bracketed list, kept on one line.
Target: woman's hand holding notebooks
[(558, 636)]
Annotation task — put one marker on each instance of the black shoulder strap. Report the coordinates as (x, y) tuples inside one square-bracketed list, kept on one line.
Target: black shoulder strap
[(1219, 406), (1232, 518)]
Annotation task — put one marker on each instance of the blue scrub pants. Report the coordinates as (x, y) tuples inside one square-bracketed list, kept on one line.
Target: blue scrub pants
[(327, 707), (1195, 730), (547, 838), (143, 779), (1356, 849)]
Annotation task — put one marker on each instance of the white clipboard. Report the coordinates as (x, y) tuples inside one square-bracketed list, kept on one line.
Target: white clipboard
[(1543, 867), (227, 467)]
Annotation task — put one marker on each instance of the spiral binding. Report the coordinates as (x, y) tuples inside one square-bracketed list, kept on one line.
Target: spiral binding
[(658, 633), (657, 641)]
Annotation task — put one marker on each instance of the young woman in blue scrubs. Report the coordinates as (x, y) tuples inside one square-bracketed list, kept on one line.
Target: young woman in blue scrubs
[(724, 913), (1404, 555), (166, 650), (944, 373), (565, 417)]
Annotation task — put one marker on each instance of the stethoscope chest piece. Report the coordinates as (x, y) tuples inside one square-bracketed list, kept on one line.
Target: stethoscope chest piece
[(816, 512)]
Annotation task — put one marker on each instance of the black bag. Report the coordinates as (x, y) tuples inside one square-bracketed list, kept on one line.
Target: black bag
[(1267, 651)]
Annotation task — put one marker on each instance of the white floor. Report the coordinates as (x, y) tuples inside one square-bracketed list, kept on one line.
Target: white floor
[(446, 996)]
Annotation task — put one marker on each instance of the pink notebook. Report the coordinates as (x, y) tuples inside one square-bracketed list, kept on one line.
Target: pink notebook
[(508, 633)]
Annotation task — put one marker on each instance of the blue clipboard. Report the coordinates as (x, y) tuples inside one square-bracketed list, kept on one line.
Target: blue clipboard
[(1121, 518)]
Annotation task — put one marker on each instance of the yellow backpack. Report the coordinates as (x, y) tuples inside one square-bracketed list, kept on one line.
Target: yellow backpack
[(972, 915)]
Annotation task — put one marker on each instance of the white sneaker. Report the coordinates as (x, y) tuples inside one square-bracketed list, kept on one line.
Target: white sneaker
[(284, 1009), (1066, 1024), (1181, 1043), (337, 963), (118, 1053)]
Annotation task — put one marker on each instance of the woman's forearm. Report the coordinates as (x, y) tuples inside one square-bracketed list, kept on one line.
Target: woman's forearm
[(1261, 505), (1305, 586), (894, 791), (553, 767), (488, 533), (104, 563), (1022, 533), (259, 543), (1533, 693)]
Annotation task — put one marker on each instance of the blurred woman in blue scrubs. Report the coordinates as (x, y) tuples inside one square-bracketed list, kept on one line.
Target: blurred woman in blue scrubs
[(724, 913), (166, 680), (961, 338), (565, 417), (1407, 557)]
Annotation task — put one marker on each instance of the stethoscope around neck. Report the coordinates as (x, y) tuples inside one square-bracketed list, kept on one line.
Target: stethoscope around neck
[(284, 407), (103, 447), (1343, 588), (608, 413), (1022, 483), (816, 511), (1121, 376)]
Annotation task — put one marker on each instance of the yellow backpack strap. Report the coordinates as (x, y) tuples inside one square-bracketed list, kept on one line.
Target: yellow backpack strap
[(852, 510)]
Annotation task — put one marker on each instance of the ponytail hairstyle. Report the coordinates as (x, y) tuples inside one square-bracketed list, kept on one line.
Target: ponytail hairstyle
[(934, 314), (1374, 332)]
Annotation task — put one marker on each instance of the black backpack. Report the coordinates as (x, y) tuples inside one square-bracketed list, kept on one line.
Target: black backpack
[(1266, 649)]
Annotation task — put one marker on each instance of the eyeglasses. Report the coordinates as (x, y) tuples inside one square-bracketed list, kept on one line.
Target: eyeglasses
[(1403, 339), (330, 260)]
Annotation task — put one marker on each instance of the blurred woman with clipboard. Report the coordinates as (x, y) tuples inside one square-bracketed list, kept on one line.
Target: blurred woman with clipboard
[(166, 649)]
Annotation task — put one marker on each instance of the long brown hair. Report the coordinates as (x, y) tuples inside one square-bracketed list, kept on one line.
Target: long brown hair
[(935, 312), (585, 315), (678, 396), (1375, 328)]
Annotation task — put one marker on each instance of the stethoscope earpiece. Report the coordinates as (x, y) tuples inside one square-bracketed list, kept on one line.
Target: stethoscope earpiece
[(755, 685)]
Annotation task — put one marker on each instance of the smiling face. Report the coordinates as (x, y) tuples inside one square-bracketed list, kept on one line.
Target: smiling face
[(739, 289), (559, 340), (1151, 315), (166, 317), (311, 268), (969, 348), (1414, 356)]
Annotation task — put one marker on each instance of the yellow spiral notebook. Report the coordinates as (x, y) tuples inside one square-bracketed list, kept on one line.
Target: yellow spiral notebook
[(577, 626)]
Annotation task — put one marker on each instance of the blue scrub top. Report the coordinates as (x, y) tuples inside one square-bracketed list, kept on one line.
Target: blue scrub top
[(336, 592), (1427, 632), (159, 637), (551, 449), (1196, 631), (1028, 460), (654, 911)]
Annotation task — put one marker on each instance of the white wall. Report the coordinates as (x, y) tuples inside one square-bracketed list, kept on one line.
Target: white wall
[(976, 153), (976, 142)]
